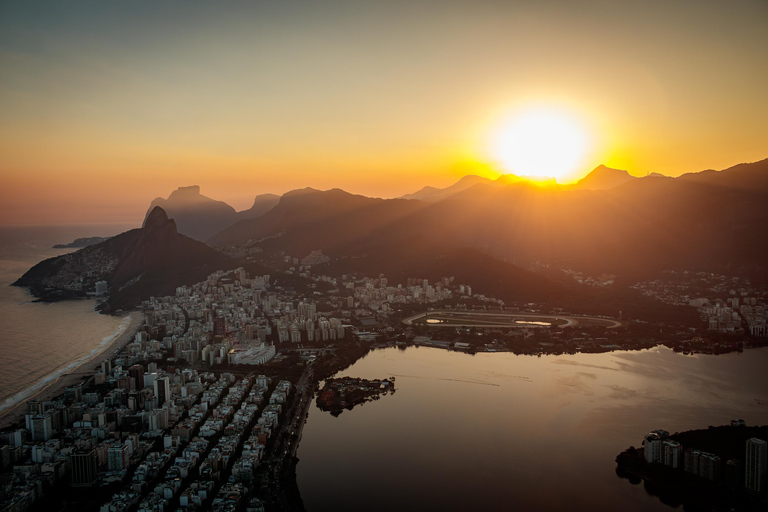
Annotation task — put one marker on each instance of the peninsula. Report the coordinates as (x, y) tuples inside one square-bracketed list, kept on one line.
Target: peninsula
[(79, 243), (719, 468)]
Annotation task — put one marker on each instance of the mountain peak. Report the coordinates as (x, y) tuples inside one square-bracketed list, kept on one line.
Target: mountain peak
[(194, 214), (603, 177), (157, 218), (185, 192), (433, 194)]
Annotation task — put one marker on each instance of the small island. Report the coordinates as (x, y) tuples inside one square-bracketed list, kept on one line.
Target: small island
[(718, 468), (79, 243), (347, 392)]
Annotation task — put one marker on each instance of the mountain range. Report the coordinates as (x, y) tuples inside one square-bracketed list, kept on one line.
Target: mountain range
[(484, 232), (201, 217), (607, 222)]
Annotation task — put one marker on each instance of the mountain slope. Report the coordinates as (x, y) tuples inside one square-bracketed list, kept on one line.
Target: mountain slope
[(261, 205), (602, 178), (196, 215), (712, 221), (432, 194), (332, 220), (152, 260)]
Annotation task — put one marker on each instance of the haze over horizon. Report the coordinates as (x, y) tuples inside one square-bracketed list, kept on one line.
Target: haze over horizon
[(108, 106)]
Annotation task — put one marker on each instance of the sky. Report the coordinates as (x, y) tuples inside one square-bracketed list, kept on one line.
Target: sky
[(106, 105)]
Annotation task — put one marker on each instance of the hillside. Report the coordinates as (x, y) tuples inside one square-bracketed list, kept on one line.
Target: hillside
[(151, 260), (432, 194)]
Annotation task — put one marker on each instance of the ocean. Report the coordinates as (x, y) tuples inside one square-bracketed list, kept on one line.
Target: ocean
[(40, 341)]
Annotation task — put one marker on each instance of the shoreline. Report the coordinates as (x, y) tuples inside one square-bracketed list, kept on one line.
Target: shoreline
[(15, 413)]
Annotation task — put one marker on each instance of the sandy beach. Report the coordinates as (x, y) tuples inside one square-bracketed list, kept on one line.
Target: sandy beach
[(15, 415)]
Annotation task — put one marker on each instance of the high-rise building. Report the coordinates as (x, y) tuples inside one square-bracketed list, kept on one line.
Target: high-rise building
[(220, 326), (158, 419), (162, 390), (84, 466), (136, 372), (74, 394), (691, 462), (652, 446), (40, 426), (755, 469), (734, 474), (672, 453), (118, 457), (709, 466)]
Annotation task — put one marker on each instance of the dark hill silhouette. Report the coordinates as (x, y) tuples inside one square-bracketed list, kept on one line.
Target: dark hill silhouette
[(371, 236), (432, 194), (261, 205), (334, 220), (752, 176), (603, 177), (152, 260), (714, 221)]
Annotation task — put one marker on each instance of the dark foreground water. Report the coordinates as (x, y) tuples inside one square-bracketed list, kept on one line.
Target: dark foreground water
[(505, 432), (39, 341)]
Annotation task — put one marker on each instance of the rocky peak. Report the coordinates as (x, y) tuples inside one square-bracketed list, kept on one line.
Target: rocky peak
[(157, 219)]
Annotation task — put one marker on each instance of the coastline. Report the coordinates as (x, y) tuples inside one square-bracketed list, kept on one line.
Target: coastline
[(15, 413)]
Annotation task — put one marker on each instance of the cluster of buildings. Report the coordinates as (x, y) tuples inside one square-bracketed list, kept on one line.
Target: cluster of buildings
[(82, 271), (147, 429), (164, 424), (750, 474), (603, 280), (199, 465), (231, 318), (201, 468), (742, 310)]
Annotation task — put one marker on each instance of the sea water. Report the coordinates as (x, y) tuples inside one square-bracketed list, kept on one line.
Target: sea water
[(41, 341)]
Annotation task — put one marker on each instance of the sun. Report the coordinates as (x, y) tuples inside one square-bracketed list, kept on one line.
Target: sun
[(541, 142)]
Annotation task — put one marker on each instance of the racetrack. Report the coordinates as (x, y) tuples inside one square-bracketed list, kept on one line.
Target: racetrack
[(497, 319)]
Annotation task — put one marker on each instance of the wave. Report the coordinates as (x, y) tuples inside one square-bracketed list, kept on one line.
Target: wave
[(41, 384)]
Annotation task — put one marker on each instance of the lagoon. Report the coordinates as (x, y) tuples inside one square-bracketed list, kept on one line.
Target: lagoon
[(510, 432)]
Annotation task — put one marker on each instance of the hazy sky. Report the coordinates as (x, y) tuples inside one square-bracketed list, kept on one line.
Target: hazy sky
[(105, 105)]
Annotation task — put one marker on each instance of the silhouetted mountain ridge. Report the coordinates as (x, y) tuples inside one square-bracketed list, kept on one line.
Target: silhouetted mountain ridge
[(705, 221), (200, 217), (603, 177), (432, 194)]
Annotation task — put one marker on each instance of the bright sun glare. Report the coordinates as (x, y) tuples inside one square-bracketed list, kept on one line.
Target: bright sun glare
[(540, 143)]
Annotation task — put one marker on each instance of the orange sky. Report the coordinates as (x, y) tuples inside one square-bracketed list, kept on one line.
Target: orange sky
[(105, 106)]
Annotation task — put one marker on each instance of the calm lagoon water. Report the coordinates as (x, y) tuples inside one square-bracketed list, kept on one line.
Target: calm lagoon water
[(506, 432)]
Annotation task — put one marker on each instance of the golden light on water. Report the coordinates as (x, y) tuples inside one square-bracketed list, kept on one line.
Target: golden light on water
[(541, 142)]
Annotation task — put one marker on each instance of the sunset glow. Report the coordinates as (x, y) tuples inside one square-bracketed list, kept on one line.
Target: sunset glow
[(263, 97), (541, 143)]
